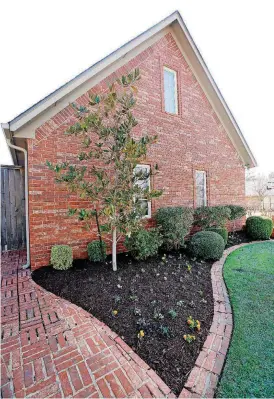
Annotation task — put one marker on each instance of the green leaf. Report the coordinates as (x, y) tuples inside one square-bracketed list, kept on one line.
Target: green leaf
[(71, 212)]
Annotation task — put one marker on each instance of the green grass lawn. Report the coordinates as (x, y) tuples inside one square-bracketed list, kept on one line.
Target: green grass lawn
[(249, 369)]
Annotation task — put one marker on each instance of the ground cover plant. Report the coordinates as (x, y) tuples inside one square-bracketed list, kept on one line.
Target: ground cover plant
[(162, 307), (249, 369)]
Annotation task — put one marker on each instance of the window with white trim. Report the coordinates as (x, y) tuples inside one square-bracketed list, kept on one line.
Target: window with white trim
[(144, 183), (200, 183), (170, 91)]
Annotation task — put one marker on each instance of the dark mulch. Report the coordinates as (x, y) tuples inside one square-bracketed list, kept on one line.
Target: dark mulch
[(239, 237), (144, 293)]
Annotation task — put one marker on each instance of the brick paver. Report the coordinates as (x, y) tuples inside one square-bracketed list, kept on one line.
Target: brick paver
[(51, 348)]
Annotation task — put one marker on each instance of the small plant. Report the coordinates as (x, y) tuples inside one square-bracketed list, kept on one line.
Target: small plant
[(193, 323), (97, 251), (141, 334), (175, 224), (259, 228), (207, 245), (158, 315), (117, 299), (165, 331), (61, 257), (137, 312), (144, 243), (133, 298), (172, 313), (180, 303), (189, 267), (189, 338)]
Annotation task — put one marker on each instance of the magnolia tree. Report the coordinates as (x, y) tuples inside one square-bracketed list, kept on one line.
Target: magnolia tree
[(109, 177)]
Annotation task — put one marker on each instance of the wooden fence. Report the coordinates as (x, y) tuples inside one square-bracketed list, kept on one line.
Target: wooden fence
[(13, 221)]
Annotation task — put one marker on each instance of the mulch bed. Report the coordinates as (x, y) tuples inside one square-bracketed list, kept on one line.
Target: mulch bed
[(144, 293), (239, 237)]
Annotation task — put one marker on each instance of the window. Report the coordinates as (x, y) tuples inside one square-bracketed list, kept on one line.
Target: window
[(170, 91), (200, 182), (144, 183)]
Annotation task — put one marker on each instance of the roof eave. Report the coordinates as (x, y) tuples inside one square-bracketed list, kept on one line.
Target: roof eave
[(30, 114)]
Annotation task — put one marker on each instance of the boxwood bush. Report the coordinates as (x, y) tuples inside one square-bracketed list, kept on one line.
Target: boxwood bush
[(259, 228), (207, 245), (220, 230), (174, 224), (61, 257), (144, 243), (209, 216), (96, 251)]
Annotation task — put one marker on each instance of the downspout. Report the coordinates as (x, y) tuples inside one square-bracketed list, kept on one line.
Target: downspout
[(26, 198)]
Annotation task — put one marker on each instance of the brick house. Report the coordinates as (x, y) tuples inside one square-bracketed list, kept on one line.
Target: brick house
[(201, 151)]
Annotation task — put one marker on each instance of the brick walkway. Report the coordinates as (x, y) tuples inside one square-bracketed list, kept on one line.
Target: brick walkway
[(51, 348)]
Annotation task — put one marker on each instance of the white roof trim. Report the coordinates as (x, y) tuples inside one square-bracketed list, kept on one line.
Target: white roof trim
[(27, 117)]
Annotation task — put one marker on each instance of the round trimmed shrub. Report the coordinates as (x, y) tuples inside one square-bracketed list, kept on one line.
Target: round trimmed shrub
[(96, 251), (61, 257), (207, 245), (259, 228), (144, 243), (220, 230)]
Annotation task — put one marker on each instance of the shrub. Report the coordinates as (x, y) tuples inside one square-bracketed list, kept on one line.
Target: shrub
[(209, 216), (236, 211), (144, 243), (61, 257), (207, 245), (174, 224), (96, 251), (220, 230), (258, 227)]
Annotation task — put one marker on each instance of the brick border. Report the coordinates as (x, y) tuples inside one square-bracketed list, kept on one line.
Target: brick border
[(204, 377)]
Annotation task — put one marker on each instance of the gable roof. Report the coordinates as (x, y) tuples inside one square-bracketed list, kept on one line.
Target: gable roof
[(25, 124)]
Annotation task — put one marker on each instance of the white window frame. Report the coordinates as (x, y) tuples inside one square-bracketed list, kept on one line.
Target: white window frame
[(175, 93), (205, 187), (147, 167)]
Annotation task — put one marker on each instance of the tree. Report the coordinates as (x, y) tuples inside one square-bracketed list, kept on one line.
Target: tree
[(258, 186), (109, 178)]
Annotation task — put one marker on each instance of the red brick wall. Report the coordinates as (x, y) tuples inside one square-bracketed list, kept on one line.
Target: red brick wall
[(194, 139)]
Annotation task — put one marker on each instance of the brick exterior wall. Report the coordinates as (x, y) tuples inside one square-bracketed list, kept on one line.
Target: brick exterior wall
[(193, 139)]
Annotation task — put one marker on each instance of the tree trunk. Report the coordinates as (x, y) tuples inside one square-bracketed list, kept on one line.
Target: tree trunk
[(114, 250)]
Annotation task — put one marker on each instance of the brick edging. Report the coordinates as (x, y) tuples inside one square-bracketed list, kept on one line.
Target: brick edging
[(204, 377)]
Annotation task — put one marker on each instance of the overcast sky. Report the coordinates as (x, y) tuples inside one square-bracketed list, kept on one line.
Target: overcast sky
[(45, 43)]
